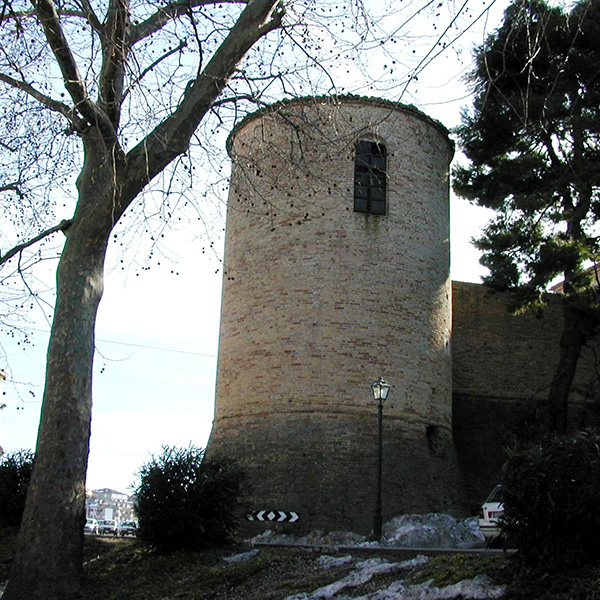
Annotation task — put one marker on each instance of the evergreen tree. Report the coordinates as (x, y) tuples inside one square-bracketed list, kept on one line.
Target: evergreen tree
[(187, 501), (532, 138)]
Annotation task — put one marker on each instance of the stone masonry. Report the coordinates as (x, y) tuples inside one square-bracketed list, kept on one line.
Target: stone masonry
[(319, 301), (502, 366)]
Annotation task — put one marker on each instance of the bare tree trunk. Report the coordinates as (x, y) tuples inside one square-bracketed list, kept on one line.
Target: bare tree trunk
[(55, 511), (47, 563), (48, 560), (577, 328)]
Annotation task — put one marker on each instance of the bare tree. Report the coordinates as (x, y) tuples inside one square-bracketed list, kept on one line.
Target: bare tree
[(115, 91), (48, 558)]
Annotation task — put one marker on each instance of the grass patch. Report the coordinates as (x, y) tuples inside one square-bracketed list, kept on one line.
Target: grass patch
[(449, 569), (116, 568), (299, 585), (137, 574)]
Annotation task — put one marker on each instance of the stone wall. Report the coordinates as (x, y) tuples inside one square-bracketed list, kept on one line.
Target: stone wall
[(502, 368), (319, 301)]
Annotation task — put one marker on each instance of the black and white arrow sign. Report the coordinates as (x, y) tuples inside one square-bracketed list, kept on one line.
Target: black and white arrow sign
[(279, 516)]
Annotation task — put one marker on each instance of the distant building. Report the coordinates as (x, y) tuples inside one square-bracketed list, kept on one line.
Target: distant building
[(107, 504)]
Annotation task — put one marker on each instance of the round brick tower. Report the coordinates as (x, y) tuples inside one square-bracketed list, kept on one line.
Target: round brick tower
[(337, 273)]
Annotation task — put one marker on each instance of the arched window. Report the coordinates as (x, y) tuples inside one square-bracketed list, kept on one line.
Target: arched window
[(370, 178)]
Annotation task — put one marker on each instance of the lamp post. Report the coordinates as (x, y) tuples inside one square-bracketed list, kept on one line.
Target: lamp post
[(380, 390)]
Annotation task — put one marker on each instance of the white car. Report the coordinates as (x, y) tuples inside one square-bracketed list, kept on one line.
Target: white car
[(91, 526), (128, 528), (489, 514), (110, 527)]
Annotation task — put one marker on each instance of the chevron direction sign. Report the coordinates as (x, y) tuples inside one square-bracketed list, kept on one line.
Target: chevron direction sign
[(278, 516)]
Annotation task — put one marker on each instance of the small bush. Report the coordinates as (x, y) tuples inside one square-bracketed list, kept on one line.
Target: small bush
[(552, 502), (15, 473), (188, 501)]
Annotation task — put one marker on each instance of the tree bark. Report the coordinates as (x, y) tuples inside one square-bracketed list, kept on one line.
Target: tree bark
[(48, 558), (47, 563), (577, 328)]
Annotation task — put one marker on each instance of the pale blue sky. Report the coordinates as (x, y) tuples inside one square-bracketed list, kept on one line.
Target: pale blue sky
[(157, 333), (154, 382), (154, 371)]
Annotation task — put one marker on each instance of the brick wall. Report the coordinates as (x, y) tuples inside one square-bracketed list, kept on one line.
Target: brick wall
[(502, 368), (319, 301)]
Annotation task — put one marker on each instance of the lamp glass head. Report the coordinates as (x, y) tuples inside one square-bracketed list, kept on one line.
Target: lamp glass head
[(380, 389)]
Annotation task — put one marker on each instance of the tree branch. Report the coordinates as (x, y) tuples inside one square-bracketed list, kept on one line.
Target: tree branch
[(73, 81), (171, 137), (90, 15), (50, 103), (149, 68), (114, 55), (13, 187), (62, 226), (167, 13), (24, 14)]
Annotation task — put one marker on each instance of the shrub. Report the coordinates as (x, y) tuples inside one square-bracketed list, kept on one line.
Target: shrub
[(188, 501), (552, 502), (15, 473)]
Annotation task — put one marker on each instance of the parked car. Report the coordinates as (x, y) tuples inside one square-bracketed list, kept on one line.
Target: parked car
[(91, 526), (489, 513), (128, 528), (109, 527)]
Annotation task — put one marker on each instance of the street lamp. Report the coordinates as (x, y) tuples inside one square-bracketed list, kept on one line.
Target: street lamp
[(380, 389)]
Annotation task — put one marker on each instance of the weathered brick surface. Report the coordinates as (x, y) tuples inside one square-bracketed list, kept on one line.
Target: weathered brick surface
[(502, 369), (319, 301), (490, 346)]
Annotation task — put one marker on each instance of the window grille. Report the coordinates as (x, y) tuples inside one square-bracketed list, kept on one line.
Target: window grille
[(370, 178)]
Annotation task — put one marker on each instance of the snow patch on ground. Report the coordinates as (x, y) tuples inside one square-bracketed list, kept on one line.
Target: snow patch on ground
[(241, 557), (431, 530), (363, 572), (478, 588), (330, 562), (407, 531)]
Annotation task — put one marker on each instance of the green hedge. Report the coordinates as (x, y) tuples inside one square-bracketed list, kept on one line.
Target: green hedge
[(188, 501), (552, 502), (15, 473)]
